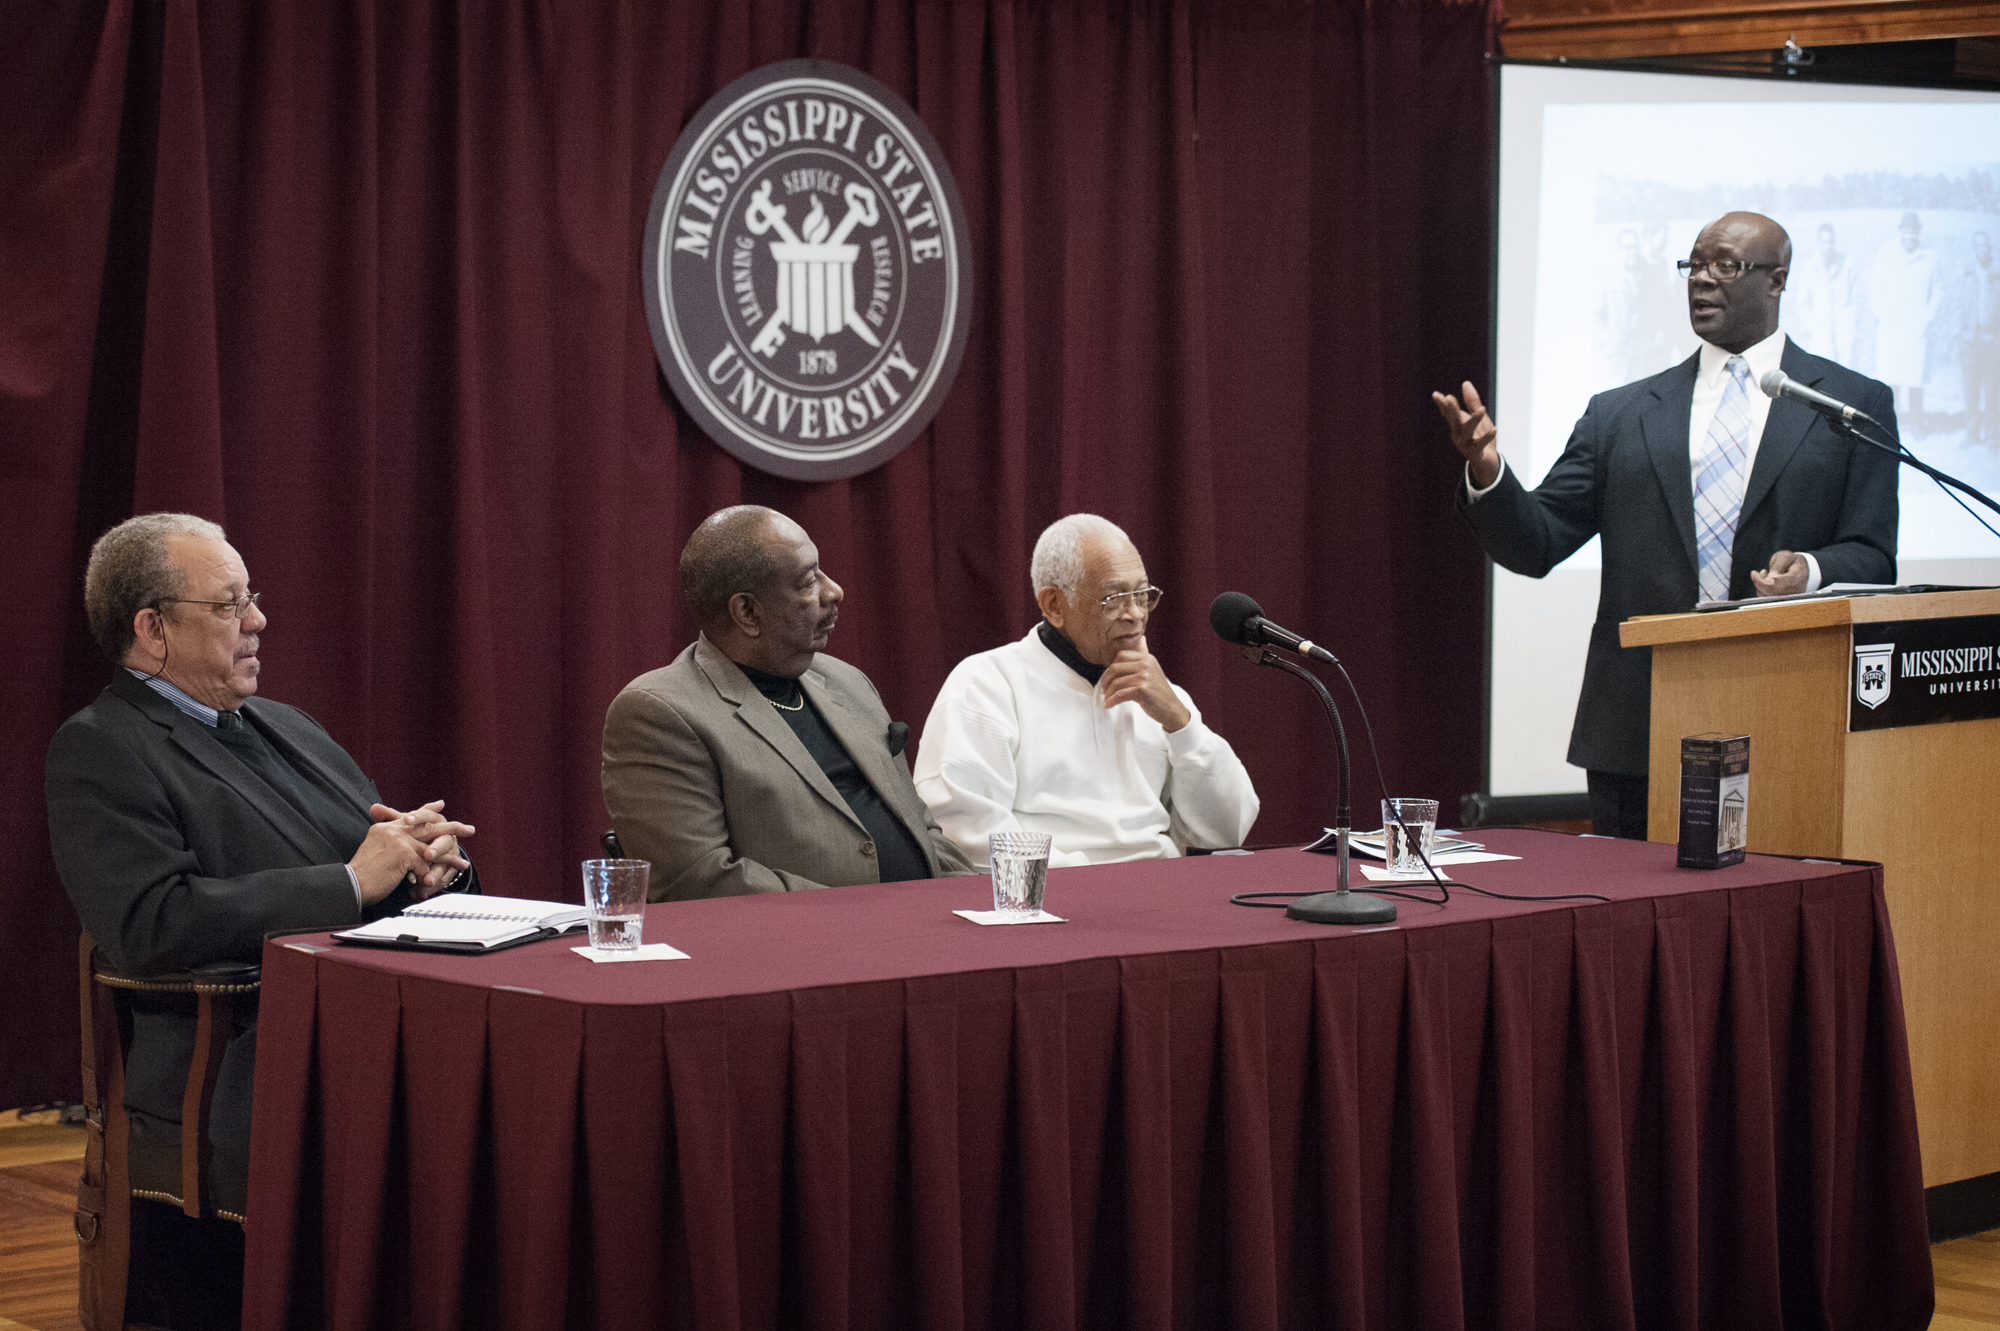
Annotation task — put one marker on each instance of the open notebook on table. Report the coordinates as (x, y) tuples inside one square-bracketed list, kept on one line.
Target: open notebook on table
[(456, 922)]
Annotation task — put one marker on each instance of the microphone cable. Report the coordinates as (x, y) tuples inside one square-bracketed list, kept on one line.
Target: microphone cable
[(1901, 452), (1778, 384)]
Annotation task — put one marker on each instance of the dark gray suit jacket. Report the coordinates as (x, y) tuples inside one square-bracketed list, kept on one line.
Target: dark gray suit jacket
[(1625, 476), (175, 856), (707, 783)]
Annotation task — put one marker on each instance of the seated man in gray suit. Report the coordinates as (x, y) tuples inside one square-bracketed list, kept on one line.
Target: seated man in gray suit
[(189, 818), (755, 763)]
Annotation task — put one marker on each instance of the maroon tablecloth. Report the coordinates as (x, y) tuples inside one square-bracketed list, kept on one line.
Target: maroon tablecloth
[(852, 1109)]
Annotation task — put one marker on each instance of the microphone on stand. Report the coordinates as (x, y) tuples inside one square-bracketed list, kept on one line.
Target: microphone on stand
[(1778, 384), (1238, 619)]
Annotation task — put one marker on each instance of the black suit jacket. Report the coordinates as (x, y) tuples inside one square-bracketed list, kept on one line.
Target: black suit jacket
[(174, 856), (1625, 476)]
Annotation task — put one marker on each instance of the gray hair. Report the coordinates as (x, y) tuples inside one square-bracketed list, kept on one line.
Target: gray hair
[(130, 569), (727, 554), (1058, 559)]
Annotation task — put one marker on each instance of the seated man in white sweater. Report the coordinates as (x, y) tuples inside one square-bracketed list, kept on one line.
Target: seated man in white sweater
[(1075, 730)]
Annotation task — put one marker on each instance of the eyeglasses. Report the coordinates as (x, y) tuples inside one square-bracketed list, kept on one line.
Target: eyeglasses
[(236, 608), (1722, 270), (1145, 598)]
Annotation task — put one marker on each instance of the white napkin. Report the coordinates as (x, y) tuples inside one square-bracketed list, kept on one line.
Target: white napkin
[(1375, 873), (1008, 917), (643, 952)]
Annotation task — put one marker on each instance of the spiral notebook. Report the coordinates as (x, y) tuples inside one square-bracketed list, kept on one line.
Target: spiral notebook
[(456, 922)]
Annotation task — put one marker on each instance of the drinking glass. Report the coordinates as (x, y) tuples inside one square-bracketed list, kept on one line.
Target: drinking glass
[(1420, 817), (1020, 871), (615, 893)]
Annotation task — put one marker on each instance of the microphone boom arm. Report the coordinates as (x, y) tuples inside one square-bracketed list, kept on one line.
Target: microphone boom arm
[(1339, 906), (1343, 815), (1907, 458)]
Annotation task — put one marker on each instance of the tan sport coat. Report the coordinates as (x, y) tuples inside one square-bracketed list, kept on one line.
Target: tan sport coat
[(706, 781)]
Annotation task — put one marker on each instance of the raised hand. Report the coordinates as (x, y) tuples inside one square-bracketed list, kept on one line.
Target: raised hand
[(1472, 433)]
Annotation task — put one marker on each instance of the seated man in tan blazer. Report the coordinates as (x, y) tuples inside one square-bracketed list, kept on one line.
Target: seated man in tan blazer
[(754, 763)]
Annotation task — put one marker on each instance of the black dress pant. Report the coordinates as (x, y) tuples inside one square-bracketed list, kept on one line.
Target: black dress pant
[(186, 1274), (1618, 805)]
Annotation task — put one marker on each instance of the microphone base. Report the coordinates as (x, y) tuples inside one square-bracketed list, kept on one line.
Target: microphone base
[(1342, 907)]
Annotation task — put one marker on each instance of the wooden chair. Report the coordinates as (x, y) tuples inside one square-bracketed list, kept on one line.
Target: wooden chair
[(117, 1165)]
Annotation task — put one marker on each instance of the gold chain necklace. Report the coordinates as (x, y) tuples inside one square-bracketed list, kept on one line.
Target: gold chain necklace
[(794, 707)]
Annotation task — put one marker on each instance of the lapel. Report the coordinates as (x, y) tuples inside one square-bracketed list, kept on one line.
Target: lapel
[(869, 749), (1664, 426), (1784, 430), (199, 743), (261, 714), (754, 711)]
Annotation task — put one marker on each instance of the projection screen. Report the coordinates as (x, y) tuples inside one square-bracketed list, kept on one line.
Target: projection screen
[(1604, 179)]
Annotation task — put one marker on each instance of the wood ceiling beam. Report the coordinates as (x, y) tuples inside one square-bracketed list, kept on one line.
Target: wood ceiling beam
[(1549, 31)]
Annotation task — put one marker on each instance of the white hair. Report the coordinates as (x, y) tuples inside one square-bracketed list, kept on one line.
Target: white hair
[(1058, 559)]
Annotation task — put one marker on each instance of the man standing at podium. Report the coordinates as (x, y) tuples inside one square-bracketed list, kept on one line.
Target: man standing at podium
[(1702, 488)]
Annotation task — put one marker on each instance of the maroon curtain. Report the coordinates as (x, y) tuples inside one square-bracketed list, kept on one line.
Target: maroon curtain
[(360, 283)]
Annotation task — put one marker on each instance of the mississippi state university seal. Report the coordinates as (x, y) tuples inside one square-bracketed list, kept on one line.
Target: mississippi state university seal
[(807, 274)]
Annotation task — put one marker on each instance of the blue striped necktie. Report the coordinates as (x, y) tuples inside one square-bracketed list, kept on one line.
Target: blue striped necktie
[(1718, 482)]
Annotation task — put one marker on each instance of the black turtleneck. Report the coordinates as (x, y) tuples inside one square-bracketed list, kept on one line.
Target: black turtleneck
[(897, 854), (1065, 651)]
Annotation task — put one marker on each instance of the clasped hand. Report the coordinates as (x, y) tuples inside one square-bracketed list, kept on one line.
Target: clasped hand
[(1135, 676), (422, 844)]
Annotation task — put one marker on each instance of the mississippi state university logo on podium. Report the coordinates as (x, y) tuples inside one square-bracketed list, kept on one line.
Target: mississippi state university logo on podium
[(1874, 662), (807, 273)]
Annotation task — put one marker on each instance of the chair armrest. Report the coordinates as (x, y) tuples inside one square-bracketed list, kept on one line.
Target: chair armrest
[(217, 977)]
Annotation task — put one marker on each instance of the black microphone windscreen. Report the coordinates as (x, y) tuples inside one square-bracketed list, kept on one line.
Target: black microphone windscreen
[(1230, 613)]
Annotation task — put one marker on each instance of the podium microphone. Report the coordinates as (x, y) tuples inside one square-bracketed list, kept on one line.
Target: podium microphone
[(1778, 384), (1238, 619)]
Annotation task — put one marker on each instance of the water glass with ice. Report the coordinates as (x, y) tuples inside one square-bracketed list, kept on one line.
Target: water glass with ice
[(614, 891), (1020, 871)]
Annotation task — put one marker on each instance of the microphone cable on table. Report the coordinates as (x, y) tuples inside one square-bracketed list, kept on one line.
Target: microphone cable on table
[(1438, 880)]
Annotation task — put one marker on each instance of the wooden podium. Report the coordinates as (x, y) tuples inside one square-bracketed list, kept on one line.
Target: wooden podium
[(1924, 800)]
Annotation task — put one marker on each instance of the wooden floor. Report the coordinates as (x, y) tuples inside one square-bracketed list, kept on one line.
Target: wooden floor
[(39, 1159), (38, 1167)]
